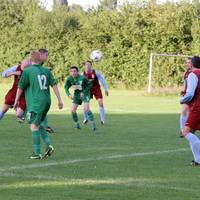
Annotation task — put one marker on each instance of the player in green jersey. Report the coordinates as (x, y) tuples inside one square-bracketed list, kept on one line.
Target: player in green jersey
[(35, 81), (81, 87)]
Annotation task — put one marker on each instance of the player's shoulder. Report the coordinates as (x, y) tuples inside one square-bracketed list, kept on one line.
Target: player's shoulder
[(18, 67), (69, 77)]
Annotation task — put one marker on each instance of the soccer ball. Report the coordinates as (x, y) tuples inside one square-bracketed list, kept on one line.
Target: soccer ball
[(96, 55)]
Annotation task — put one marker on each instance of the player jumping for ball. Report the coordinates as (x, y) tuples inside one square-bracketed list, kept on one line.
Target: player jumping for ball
[(94, 77), (35, 82), (15, 71), (81, 94)]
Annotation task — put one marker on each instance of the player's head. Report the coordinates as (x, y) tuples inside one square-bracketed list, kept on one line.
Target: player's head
[(25, 63), (196, 62), (44, 54), (88, 65), (74, 71), (35, 57), (189, 62)]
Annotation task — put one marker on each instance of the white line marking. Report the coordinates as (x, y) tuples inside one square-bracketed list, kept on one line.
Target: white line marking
[(67, 162), (61, 181)]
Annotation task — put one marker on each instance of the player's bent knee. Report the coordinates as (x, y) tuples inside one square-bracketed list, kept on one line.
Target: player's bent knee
[(186, 130), (185, 112), (34, 127), (86, 109), (19, 114), (100, 104), (73, 110)]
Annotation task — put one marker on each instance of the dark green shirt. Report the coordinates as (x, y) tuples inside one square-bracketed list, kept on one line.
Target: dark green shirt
[(79, 84), (35, 81)]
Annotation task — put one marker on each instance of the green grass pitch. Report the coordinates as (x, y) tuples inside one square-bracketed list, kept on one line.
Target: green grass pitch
[(136, 155)]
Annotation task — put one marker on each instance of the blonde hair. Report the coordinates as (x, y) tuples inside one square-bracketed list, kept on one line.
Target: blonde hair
[(26, 62)]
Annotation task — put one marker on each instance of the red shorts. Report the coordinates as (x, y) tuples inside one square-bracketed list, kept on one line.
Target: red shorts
[(97, 93), (193, 120), (10, 99)]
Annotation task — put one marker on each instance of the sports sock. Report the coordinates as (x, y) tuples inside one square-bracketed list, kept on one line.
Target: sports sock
[(74, 117), (183, 119), (36, 141), (1, 114), (45, 137), (85, 115), (102, 113), (45, 122), (194, 145), (90, 115)]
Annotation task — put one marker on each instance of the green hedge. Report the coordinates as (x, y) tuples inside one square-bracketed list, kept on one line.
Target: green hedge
[(126, 37)]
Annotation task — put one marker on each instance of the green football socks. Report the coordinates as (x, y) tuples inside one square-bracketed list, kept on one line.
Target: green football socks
[(44, 136), (90, 115), (75, 117), (45, 122), (36, 142)]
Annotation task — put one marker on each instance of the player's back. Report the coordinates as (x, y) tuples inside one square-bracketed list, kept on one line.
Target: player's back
[(196, 98), (38, 81)]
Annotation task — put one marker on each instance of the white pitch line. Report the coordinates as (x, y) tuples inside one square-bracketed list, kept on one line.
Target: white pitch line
[(55, 180), (66, 162)]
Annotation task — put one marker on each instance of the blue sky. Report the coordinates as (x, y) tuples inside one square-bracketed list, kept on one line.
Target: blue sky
[(83, 3), (90, 3)]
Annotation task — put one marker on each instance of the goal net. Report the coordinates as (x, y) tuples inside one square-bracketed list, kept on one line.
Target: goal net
[(166, 70)]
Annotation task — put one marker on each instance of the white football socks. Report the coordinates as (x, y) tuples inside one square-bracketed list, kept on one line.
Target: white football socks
[(194, 145), (1, 114), (102, 113), (183, 119)]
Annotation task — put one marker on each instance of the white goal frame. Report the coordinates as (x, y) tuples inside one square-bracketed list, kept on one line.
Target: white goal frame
[(152, 55)]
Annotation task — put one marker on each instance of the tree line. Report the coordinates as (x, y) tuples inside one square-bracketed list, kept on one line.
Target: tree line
[(126, 35)]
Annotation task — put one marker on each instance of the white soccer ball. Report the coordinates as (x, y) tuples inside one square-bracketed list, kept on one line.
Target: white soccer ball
[(96, 55)]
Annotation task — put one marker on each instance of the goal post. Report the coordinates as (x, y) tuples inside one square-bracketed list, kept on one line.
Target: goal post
[(151, 63)]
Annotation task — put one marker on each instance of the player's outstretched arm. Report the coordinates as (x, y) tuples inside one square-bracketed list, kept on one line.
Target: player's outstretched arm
[(10, 71), (57, 93), (192, 83), (67, 86), (18, 95), (103, 82)]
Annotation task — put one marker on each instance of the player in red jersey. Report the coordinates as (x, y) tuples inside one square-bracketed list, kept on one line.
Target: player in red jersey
[(94, 76), (193, 120), (15, 71), (185, 107)]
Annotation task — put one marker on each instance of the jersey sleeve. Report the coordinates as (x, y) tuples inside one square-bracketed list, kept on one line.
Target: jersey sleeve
[(192, 83), (67, 86), (52, 79), (102, 80), (24, 80), (9, 70)]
